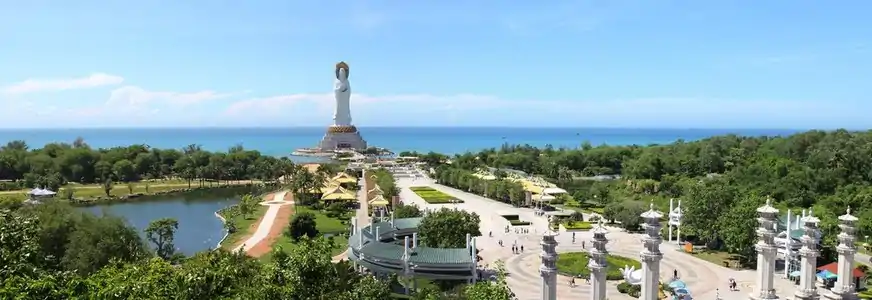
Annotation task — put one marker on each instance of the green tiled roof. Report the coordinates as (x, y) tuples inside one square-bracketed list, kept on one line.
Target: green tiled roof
[(441, 255), (392, 250), (384, 250)]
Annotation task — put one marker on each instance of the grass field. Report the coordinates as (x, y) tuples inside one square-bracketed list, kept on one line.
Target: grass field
[(121, 189), (325, 225), (575, 264), (245, 226), (433, 196)]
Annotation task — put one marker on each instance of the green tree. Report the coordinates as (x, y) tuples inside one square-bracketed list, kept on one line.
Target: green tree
[(302, 224), (407, 211), (737, 228), (447, 228), (161, 233), (107, 187)]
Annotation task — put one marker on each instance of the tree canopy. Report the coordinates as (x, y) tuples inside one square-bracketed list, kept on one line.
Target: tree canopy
[(720, 179), (56, 164)]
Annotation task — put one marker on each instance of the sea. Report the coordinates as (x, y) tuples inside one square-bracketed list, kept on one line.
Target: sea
[(448, 140)]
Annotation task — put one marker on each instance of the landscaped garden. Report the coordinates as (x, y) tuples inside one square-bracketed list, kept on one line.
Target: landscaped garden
[(515, 220), (432, 196), (331, 223), (575, 264), (573, 225)]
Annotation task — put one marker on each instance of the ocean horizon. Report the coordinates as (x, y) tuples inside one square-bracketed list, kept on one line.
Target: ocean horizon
[(278, 141)]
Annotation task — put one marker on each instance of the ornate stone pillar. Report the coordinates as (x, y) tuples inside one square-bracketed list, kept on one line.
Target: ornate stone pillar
[(845, 288), (808, 264), (651, 256), (766, 251), (548, 268), (598, 263)]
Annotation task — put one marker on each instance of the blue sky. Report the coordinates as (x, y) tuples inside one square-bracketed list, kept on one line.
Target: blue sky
[(616, 63)]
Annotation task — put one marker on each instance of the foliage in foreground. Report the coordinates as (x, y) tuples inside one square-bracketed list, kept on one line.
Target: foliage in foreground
[(53, 251)]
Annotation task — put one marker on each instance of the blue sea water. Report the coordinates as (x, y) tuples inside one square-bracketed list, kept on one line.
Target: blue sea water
[(283, 141)]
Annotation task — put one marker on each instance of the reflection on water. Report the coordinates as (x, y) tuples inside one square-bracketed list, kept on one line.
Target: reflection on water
[(199, 229)]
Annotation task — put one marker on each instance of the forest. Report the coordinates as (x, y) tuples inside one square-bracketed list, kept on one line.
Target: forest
[(721, 180), (57, 164), (54, 251)]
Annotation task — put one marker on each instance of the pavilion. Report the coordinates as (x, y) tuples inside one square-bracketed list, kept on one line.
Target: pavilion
[(392, 247), (37, 195), (379, 201), (376, 190), (337, 193)]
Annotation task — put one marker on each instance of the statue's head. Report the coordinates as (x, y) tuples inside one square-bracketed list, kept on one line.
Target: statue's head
[(342, 70)]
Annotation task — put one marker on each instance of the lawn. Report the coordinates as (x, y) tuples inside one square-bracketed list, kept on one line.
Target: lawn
[(575, 264), (433, 196), (325, 225), (573, 225), (718, 257), (515, 220), (245, 226), (120, 189)]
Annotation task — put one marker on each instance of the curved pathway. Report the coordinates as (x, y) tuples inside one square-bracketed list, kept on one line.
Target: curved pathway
[(265, 228)]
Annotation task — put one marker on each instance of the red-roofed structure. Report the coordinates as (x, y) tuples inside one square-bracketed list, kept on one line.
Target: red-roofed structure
[(859, 276), (834, 268)]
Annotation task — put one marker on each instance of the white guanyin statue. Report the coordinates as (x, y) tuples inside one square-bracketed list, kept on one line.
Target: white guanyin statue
[(342, 93), (631, 275)]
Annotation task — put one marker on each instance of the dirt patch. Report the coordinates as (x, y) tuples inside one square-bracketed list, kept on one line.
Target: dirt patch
[(278, 228), (289, 196)]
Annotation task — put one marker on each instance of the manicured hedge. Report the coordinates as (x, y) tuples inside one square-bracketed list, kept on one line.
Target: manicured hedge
[(432, 196), (577, 226), (575, 264), (515, 220), (519, 223)]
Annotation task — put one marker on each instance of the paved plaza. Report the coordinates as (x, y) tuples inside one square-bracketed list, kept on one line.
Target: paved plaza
[(702, 277)]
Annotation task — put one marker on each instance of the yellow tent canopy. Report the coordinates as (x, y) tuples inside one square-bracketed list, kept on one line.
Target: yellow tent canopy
[(343, 178), (379, 200), (338, 193)]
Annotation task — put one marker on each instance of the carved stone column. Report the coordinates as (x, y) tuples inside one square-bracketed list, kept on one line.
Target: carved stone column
[(766, 252)]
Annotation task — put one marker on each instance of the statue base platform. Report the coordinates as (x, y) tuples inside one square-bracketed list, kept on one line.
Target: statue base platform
[(342, 137)]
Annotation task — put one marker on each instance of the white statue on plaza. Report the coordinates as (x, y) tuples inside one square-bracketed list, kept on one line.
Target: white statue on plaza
[(342, 93), (631, 275)]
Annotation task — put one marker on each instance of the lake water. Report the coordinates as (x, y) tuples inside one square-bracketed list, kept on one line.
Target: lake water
[(199, 228)]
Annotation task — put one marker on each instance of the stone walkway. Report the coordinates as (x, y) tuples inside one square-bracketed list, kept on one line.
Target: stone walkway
[(702, 277), (266, 223)]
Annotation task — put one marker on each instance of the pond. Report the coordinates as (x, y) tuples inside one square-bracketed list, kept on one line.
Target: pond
[(199, 228)]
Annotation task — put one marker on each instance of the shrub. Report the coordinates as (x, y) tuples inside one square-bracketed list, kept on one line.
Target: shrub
[(581, 226), (575, 264), (511, 217), (433, 196)]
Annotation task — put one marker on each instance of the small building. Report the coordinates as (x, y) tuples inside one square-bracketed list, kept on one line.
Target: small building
[(859, 275), (337, 193)]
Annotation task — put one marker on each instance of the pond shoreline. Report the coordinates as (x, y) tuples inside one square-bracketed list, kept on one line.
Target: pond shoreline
[(226, 233), (137, 196)]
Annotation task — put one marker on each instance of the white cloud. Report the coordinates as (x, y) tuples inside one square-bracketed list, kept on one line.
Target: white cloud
[(137, 97), (483, 110), (61, 84)]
